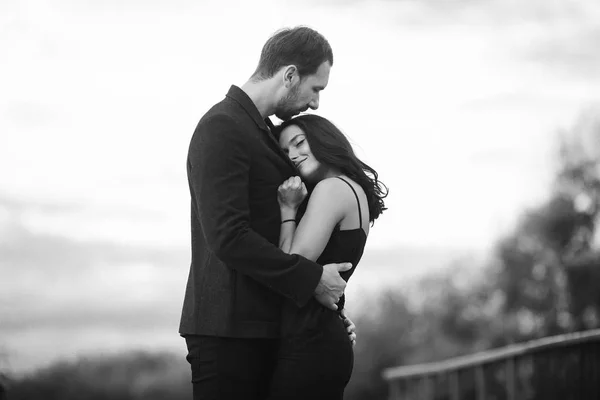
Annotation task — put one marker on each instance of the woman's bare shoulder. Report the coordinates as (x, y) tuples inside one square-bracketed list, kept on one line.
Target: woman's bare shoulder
[(334, 190)]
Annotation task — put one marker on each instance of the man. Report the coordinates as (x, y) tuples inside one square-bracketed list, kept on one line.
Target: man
[(238, 276)]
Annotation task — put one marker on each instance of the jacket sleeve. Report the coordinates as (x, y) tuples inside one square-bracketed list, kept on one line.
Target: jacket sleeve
[(219, 173)]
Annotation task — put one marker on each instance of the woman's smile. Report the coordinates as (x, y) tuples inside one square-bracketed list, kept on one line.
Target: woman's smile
[(297, 163)]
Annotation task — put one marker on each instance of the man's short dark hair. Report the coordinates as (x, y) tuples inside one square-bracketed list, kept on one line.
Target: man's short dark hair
[(301, 46)]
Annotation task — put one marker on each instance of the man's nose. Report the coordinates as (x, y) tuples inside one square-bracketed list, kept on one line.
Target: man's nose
[(314, 104)]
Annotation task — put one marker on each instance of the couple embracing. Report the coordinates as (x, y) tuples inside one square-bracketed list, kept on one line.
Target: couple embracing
[(279, 220)]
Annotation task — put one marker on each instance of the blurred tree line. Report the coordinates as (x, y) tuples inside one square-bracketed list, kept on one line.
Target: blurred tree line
[(543, 279), (129, 376)]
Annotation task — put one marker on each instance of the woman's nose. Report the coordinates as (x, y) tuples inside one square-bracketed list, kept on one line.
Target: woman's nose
[(293, 154)]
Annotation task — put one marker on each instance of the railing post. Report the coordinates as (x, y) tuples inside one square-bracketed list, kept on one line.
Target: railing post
[(480, 378), (395, 390), (510, 378), (454, 389), (424, 388)]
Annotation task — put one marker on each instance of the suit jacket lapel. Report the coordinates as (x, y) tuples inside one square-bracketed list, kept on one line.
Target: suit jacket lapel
[(266, 126), (268, 130)]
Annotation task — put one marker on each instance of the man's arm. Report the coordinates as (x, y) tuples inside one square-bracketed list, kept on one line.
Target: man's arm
[(219, 173)]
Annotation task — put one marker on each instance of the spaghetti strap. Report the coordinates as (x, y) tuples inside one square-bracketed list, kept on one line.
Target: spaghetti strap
[(357, 201)]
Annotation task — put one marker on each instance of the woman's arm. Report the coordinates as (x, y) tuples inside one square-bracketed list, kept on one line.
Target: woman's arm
[(327, 206), (290, 195), (325, 210)]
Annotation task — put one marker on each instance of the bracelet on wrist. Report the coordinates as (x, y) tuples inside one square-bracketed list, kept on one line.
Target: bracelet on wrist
[(288, 220)]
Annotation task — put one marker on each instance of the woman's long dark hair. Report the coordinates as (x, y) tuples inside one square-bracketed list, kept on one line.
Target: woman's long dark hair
[(331, 148)]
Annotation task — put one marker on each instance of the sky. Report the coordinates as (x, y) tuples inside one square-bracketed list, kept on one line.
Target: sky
[(456, 104)]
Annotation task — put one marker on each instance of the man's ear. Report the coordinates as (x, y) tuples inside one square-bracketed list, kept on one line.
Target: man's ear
[(290, 76)]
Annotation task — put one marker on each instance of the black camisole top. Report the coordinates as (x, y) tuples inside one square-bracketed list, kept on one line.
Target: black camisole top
[(343, 246)]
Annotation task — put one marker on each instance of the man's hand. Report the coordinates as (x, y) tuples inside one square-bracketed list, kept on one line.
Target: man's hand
[(350, 327), (331, 286)]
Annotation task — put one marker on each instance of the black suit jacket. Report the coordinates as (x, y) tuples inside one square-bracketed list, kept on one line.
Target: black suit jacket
[(238, 276)]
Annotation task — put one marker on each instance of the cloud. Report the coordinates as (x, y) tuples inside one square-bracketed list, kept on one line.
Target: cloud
[(29, 113), (20, 246), (125, 217), (16, 206), (470, 12), (573, 53), (69, 296), (53, 279), (497, 12), (51, 254)]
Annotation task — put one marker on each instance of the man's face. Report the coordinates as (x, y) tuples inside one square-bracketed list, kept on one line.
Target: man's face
[(304, 94)]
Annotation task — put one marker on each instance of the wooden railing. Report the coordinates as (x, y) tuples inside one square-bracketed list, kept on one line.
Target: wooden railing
[(559, 367)]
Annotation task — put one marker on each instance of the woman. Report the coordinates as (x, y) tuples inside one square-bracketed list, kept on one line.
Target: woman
[(315, 358)]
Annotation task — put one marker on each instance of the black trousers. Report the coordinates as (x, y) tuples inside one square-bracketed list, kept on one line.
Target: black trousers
[(231, 368), (314, 364)]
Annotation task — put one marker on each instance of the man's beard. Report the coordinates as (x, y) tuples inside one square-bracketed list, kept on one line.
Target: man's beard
[(285, 107)]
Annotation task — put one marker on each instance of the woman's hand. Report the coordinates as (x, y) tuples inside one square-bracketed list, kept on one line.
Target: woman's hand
[(350, 327), (291, 193)]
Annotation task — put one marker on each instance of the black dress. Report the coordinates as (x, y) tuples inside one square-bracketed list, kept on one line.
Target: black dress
[(315, 358)]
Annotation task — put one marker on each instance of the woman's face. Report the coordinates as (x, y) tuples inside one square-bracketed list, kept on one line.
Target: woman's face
[(293, 142)]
